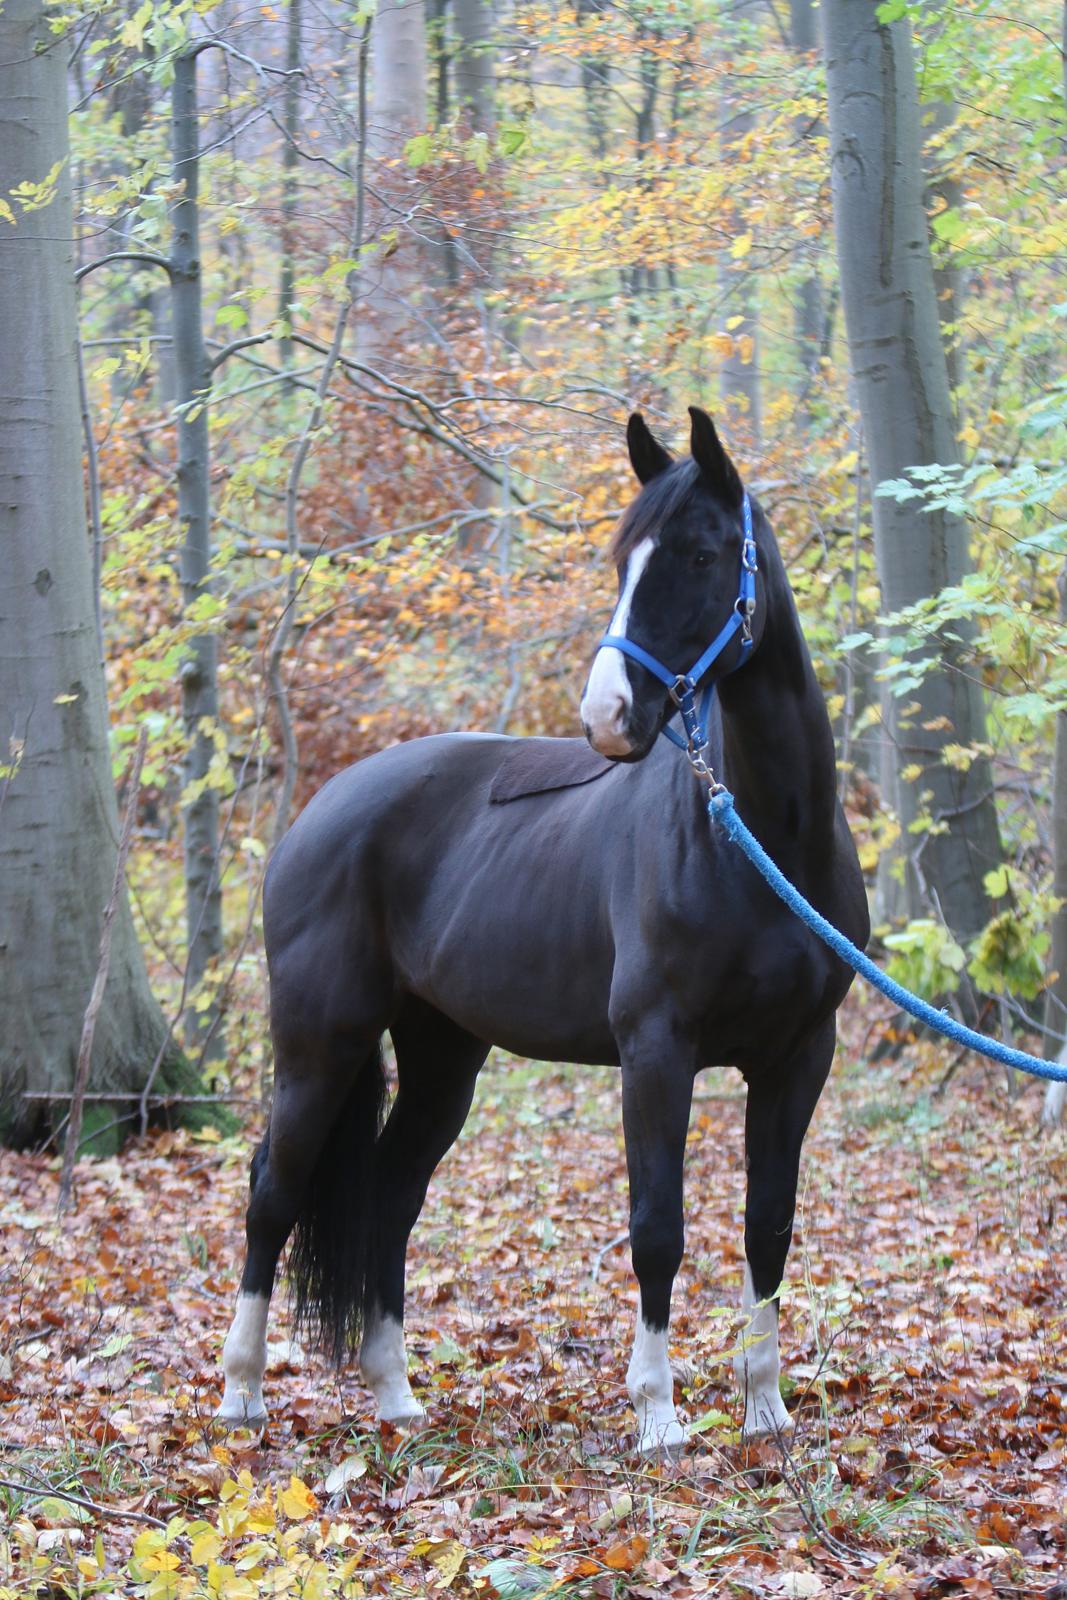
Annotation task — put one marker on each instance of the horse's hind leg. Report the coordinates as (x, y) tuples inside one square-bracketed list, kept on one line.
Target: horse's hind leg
[(777, 1115), (658, 1068), (437, 1067), (326, 1090)]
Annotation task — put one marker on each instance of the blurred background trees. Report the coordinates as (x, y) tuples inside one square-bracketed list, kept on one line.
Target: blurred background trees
[(365, 301)]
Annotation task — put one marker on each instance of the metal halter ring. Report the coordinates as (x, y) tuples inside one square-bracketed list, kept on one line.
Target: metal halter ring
[(679, 689)]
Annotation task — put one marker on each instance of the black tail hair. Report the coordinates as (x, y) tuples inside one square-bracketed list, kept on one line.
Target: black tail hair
[(332, 1256)]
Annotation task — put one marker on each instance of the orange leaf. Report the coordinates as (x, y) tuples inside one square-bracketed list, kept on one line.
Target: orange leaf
[(626, 1556)]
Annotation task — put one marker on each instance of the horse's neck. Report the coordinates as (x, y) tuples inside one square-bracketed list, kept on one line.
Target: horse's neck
[(778, 748)]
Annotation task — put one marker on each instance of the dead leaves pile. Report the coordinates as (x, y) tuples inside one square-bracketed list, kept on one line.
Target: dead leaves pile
[(923, 1339)]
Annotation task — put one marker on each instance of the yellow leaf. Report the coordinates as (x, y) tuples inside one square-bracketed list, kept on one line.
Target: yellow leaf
[(298, 1502), (161, 1561), (205, 1548), (912, 771), (733, 322), (968, 436), (6, 212), (449, 1561), (64, 699), (741, 246)]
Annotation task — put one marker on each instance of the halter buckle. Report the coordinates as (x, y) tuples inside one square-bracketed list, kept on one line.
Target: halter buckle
[(680, 688), (748, 555)]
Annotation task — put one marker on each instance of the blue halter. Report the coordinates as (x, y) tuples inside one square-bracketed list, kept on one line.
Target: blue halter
[(682, 686)]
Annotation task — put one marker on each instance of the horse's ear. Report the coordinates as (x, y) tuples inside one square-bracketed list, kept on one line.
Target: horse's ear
[(647, 456), (711, 458)]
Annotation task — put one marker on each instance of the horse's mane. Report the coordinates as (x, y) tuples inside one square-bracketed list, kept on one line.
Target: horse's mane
[(658, 501)]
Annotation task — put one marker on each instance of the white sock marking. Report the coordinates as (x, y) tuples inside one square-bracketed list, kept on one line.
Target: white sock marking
[(384, 1364), (757, 1366), (244, 1358), (648, 1378), (608, 697)]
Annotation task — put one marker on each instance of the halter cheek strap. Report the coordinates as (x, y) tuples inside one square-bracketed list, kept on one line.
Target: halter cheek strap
[(682, 686)]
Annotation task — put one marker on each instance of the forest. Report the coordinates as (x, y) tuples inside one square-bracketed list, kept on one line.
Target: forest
[(320, 327)]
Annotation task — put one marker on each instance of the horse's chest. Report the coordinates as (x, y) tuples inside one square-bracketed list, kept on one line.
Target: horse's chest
[(763, 993)]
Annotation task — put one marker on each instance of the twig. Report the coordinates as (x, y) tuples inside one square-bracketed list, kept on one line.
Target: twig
[(92, 474), (45, 1491), (612, 1244), (85, 1050), (147, 258), (153, 1099)]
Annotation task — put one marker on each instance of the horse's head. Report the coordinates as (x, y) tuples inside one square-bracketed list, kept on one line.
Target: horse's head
[(679, 556)]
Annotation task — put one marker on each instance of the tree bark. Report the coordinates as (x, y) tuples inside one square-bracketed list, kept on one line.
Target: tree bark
[(58, 814), (473, 76), (397, 110), (809, 317), (199, 671), (739, 372), (898, 364)]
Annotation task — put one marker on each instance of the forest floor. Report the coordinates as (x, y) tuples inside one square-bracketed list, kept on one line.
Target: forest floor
[(924, 1340)]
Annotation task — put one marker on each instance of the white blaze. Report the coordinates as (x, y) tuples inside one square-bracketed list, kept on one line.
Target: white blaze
[(607, 699), (757, 1366)]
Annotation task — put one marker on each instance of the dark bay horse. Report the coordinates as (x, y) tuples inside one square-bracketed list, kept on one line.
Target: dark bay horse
[(604, 922)]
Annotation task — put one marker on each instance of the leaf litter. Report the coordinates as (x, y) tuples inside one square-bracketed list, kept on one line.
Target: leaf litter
[(923, 1340)]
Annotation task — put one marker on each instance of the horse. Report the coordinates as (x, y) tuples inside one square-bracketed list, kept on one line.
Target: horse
[(597, 918)]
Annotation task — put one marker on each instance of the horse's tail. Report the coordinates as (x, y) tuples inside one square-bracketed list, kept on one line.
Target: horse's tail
[(331, 1259)]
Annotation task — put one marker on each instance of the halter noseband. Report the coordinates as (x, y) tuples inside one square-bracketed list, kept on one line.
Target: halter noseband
[(682, 686)]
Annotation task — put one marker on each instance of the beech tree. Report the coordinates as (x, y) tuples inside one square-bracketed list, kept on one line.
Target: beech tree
[(58, 812), (949, 826)]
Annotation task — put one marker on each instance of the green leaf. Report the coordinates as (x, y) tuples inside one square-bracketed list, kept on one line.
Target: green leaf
[(232, 316), (418, 151)]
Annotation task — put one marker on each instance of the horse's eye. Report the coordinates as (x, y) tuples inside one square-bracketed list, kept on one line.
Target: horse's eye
[(702, 558)]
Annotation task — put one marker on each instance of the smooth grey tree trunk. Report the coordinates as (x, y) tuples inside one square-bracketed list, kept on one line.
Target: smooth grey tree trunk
[(809, 316), (199, 671), (473, 74), (58, 815), (739, 378), (397, 110), (898, 365)]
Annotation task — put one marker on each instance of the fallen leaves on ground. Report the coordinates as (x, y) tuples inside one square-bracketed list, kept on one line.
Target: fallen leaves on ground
[(923, 1337)]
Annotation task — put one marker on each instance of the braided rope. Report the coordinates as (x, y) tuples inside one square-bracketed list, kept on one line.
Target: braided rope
[(721, 810)]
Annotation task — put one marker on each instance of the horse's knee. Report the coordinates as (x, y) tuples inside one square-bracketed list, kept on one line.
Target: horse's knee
[(657, 1240), (768, 1236)]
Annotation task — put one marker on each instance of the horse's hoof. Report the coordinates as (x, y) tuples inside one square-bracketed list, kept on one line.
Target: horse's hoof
[(771, 1422), (663, 1444), (230, 1416), (410, 1416)]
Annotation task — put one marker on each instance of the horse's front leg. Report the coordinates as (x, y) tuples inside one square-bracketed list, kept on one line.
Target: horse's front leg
[(658, 1067), (779, 1109)]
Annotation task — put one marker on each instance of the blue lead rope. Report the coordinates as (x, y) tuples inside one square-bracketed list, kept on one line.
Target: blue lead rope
[(721, 810)]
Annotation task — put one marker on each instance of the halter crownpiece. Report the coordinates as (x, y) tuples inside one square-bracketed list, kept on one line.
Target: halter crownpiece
[(682, 686)]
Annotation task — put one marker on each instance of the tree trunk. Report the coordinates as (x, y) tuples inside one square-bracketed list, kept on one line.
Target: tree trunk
[(58, 815), (739, 375), (898, 364), (397, 110), (473, 77), (809, 317), (290, 160), (199, 672)]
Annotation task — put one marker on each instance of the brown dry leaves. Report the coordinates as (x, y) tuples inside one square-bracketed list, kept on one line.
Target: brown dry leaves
[(923, 1336)]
